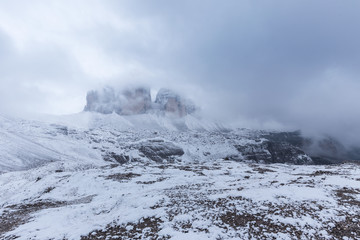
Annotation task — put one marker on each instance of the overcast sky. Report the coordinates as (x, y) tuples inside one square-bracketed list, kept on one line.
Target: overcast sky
[(261, 63)]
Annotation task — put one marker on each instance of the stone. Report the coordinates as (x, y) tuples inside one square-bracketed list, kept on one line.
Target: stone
[(160, 151)]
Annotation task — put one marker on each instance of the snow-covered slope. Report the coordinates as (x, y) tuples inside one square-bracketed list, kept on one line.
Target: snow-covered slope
[(93, 137), (25, 144), (83, 136), (94, 176)]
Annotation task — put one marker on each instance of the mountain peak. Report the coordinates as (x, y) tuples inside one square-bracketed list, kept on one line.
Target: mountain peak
[(172, 103), (137, 100)]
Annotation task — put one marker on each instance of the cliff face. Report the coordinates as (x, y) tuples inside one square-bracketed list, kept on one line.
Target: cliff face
[(134, 101), (125, 102), (101, 101), (171, 103), (137, 101)]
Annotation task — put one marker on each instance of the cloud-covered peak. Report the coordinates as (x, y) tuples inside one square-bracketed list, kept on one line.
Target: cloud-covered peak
[(137, 100), (128, 101)]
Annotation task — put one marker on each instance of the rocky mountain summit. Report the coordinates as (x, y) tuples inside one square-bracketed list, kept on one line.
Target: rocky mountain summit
[(124, 102), (170, 102), (133, 101)]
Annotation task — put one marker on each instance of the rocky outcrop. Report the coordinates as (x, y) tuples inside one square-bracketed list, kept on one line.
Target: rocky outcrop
[(103, 101), (137, 101), (119, 158), (126, 102), (278, 147), (294, 138), (322, 150), (273, 152), (171, 103), (159, 151), (289, 147), (328, 150)]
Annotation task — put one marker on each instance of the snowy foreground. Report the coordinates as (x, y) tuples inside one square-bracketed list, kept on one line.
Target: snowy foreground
[(67, 181), (217, 200)]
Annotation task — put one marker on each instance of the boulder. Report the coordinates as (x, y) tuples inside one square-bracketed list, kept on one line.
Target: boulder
[(159, 151)]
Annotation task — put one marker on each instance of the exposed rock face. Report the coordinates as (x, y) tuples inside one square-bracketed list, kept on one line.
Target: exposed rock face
[(158, 150), (137, 101), (328, 151), (293, 138), (119, 158), (274, 152), (171, 103), (324, 150), (278, 147), (127, 102), (101, 101)]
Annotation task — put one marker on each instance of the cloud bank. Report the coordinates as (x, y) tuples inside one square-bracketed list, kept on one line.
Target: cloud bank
[(261, 64)]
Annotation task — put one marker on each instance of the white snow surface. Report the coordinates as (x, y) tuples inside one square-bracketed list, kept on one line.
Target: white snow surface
[(55, 184)]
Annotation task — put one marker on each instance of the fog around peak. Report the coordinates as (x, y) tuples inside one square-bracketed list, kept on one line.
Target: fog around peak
[(279, 64)]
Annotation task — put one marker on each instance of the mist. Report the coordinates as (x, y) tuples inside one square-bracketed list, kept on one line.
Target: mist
[(274, 65)]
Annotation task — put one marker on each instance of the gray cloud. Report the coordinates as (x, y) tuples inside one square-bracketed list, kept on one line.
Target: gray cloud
[(290, 64)]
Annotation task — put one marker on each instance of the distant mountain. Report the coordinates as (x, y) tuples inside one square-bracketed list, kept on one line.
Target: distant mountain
[(124, 102), (133, 101)]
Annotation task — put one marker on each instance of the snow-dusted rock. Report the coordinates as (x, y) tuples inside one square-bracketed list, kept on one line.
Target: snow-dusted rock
[(132, 101), (126, 102), (172, 103), (274, 152), (160, 151), (137, 101)]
